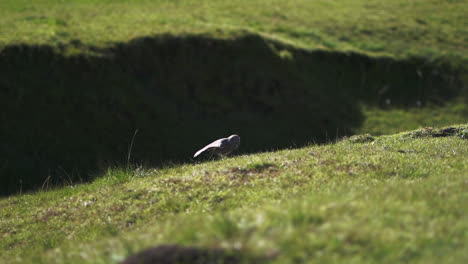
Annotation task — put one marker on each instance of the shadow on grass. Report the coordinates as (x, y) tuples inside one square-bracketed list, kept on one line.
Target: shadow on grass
[(175, 254), (66, 117)]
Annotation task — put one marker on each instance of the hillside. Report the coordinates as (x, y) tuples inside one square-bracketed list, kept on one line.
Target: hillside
[(78, 79), (431, 29), (105, 101), (363, 199)]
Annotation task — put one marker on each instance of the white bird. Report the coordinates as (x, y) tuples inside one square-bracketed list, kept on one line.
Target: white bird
[(222, 146)]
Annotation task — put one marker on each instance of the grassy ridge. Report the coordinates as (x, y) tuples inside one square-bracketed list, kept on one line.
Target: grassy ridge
[(433, 29), (178, 91), (399, 198), (85, 75), (383, 200)]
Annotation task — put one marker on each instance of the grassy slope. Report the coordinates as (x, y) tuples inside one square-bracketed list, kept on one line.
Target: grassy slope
[(398, 198), (432, 29), (396, 28), (399, 28)]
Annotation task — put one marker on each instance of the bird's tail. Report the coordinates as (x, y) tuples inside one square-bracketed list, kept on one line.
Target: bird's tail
[(199, 152)]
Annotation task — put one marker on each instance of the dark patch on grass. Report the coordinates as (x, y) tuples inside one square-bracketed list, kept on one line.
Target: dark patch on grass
[(356, 168), (252, 171), (461, 132), (176, 254), (406, 151), (360, 138), (259, 167), (254, 168), (45, 215)]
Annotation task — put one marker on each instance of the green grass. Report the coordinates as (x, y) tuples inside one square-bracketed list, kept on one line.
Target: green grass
[(399, 198), (433, 29), (114, 67), (379, 121)]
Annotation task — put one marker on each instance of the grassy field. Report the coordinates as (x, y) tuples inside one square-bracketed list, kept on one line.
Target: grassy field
[(387, 199), (433, 29), (79, 77), (85, 75)]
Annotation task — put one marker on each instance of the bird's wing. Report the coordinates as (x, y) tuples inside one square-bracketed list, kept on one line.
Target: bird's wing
[(216, 144)]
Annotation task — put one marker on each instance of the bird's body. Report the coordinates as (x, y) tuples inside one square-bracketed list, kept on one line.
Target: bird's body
[(222, 147)]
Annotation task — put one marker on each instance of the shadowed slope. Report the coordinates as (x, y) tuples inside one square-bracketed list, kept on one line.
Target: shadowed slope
[(68, 116)]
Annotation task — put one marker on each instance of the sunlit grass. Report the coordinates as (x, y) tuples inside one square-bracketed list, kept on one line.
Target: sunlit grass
[(399, 198), (391, 199), (434, 29), (380, 121)]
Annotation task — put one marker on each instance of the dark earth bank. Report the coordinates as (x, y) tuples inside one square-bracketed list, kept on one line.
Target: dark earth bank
[(67, 117)]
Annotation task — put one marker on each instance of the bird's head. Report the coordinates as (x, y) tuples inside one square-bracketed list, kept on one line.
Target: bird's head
[(234, 138)]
